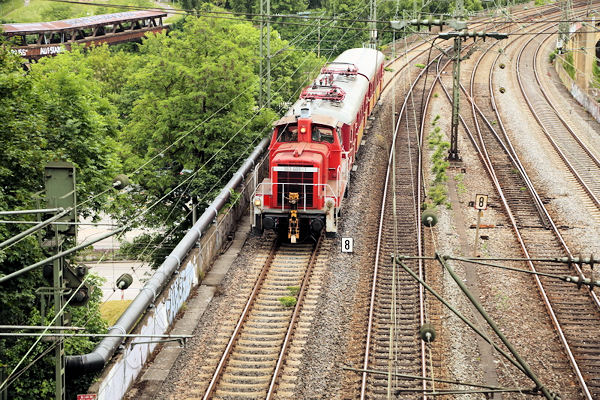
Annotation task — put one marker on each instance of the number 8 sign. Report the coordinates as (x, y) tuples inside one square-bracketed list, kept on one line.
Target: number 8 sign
[(481, 201), (347, 245)]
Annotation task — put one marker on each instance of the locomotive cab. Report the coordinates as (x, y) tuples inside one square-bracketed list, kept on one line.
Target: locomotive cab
[(306, 178)]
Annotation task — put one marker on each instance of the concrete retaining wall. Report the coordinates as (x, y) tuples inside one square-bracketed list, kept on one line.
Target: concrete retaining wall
[(582, 97), (125, 367)]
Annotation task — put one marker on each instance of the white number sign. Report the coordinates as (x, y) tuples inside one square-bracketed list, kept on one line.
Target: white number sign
[(481, 201), (347, 245)]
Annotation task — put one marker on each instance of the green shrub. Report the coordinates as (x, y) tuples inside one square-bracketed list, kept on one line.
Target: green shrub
[(294, 290), (288, 301), (552, 56), (437, 193)]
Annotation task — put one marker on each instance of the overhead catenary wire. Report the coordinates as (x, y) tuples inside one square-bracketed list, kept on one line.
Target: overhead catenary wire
[(232, 14)]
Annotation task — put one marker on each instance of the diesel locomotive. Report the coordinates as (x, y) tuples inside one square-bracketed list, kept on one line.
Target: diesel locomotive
[(314, 145)]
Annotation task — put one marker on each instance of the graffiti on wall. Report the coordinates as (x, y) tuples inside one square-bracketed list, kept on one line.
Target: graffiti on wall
[(589, 103), (126, 370)]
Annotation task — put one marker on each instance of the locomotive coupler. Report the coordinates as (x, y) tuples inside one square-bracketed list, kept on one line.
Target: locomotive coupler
[(293, 226)]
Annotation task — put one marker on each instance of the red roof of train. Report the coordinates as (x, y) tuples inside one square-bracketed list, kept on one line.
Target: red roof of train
[(84, 22)]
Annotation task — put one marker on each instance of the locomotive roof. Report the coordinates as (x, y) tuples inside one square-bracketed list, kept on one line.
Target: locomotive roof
[(367, 61), (84, 22)]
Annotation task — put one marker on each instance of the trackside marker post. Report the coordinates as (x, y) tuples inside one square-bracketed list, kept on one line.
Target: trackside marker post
[(481, 201), (347, 245)]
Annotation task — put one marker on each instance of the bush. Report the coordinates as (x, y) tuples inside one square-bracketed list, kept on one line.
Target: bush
[(288, 301)]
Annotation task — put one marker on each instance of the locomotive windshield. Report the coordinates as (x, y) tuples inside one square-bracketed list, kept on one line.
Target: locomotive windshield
[(322, 134), (288, 133)]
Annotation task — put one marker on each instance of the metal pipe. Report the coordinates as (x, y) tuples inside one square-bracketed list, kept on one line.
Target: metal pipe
[(35, 228), (95, 361), (23, 222), (60, 328), (94, 335), (41, 211)]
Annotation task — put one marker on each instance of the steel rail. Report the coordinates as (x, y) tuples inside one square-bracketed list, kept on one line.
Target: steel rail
[(253, 295), (297, 309), (380, 231), (555, 109), (536, 195), (417, 222), (525, 250), (551, 139), (475, 109), (482, 151)]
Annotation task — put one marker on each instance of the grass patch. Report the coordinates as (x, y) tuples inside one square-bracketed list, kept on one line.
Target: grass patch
[(437, 192), (9, 6), (112, 310), (294, 290), (288, 301), (460, 185), (595, 76)]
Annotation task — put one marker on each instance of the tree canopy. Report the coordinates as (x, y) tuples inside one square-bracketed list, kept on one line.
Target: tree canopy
[(50, 113)]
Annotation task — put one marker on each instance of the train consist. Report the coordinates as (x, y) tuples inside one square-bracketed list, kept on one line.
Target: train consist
[(314, 146)]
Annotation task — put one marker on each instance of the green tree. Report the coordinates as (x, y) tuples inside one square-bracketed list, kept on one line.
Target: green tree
[(194, 91), (54, 112)]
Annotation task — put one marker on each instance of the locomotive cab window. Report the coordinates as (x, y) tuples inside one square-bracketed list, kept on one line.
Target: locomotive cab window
[(322, 134), (288, 133)]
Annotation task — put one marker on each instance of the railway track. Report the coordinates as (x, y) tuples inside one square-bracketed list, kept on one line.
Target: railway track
[(574, 313), (265, 354), (397, 307), (578, 157), (252, 364)]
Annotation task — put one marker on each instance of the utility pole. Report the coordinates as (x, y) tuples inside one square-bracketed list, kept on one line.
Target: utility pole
[(265, 78), (453, 152), (563, 27), (373, 25), (59, 179), (459, 36)]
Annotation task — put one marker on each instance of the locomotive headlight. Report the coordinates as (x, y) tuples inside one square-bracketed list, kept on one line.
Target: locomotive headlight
[(303, 130), (257, 202)]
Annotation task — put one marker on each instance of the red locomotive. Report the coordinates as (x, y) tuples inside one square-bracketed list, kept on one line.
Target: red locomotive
[(314, 146)]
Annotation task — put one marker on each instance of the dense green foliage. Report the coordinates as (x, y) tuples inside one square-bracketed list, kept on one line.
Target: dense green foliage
[(52, 113)]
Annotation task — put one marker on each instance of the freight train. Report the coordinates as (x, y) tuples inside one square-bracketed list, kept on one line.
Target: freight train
[(313, 148)]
